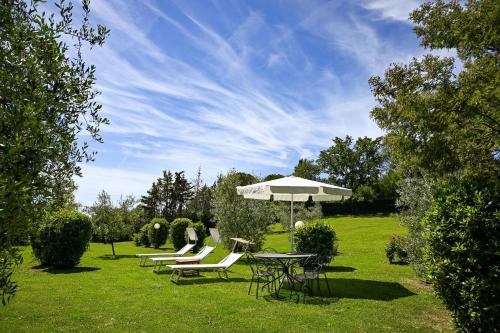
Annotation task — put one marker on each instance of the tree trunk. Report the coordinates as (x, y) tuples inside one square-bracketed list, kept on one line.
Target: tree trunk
[(113, 248)]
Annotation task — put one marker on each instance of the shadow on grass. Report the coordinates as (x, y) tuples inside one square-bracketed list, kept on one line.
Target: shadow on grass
[(54, 270), (348, 288), (340, 269), (200, 280), (367, 289), (119, 256)]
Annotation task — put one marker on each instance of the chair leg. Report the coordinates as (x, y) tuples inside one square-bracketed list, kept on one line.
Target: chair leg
[(174, 273), (328, 285), (250, 288), (257, 289)]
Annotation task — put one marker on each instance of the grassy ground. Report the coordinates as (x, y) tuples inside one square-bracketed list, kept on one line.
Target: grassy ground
[(106, 294)]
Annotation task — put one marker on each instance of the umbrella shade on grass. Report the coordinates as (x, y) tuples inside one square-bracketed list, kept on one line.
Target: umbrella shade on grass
[(293, 189)]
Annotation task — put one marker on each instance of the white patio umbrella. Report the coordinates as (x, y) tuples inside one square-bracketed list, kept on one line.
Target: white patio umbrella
[(293, 189)]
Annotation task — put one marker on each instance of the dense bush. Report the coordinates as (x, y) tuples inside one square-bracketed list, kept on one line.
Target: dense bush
[(142, 237), (62, 238), (201, 233), (462, 233), (178, 232), (158, 237), (397, 249), (316, 238)]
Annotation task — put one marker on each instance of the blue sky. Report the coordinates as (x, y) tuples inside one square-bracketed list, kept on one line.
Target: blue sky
[(251, 85)]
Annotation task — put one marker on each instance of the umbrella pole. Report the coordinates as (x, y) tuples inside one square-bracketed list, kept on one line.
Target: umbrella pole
[(291, 224)]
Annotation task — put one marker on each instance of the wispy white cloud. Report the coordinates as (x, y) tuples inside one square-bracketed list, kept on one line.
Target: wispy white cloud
[(392, 9), (252, 98)]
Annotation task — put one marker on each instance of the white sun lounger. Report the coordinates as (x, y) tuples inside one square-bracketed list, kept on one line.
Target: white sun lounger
[(180, 253), (214, 233), (221, 268), (204, 252)]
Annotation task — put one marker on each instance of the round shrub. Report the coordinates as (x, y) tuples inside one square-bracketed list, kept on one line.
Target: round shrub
[(316, 238), (62, 239), (158, 237), (201, 233), (396, 249), (178, 232), (462, 233), (142, 237)]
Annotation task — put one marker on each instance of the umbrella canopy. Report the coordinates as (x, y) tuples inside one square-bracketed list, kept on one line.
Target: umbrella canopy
[(293, 189)]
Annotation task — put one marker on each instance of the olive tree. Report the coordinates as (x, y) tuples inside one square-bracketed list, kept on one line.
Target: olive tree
[(46, 99), (236, 216)]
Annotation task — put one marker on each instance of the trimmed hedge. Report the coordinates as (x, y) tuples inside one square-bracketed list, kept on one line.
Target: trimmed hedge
[(62, 239), (351, 207), (142, 237), (201, 233), (178, 232), (158, 237), (462, 233), (316, 238)]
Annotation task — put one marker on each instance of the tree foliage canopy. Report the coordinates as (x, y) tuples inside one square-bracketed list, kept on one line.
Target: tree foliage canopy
[(307, 169), (168, 196), (110, 224), (437, 120), (352, 164), (46, 99), (236, 216)]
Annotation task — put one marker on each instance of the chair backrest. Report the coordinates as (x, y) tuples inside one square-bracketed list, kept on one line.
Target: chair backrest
[(256, 265), (230, 259), (185, 249), (191, 235), (204, 252), (214, 233)]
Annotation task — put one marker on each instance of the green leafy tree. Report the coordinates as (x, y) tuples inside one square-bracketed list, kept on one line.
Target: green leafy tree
[(353, 164), (151, 202), (198, 208), (442, 121), (109, 227), (236, 216), (415, 198), (182, 194), (128, 213), (307, 169), (46, 99), (435, 119), (168, 197)]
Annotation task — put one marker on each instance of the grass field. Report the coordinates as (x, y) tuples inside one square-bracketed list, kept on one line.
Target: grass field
[(117, 295)]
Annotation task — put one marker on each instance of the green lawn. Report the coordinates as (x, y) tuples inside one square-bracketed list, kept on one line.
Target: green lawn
[(107, 294)]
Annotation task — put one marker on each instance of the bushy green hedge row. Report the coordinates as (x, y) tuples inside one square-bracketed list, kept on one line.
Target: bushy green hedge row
[(149, 236), (62, 238)]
